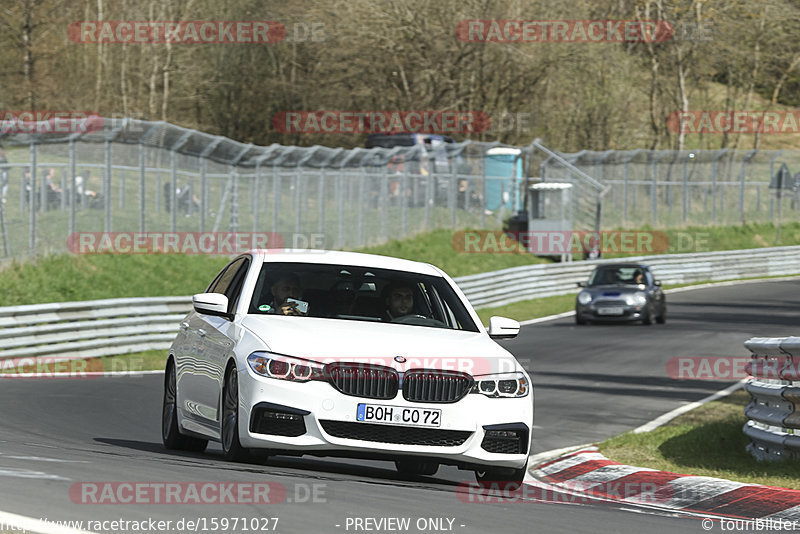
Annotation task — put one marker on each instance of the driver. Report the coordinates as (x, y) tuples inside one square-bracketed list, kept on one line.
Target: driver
[(399, 301), (287, 287)]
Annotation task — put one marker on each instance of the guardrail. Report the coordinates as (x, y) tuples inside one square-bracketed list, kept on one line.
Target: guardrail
[(499, 288), (117, 326), (90, 329), (774, 411)]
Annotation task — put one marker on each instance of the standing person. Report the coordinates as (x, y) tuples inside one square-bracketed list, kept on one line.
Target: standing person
[(53, 191), (3, 175), (27, 186)]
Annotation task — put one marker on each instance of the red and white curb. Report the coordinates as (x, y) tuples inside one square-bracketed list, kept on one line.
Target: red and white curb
[(590, 474)]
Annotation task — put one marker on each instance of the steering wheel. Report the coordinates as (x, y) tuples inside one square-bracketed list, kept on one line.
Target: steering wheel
[(409, 317)]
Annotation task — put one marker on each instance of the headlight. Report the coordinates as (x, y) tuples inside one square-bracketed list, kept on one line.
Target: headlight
[(502, 385), (584, 297), (638, 299), (285, 367)]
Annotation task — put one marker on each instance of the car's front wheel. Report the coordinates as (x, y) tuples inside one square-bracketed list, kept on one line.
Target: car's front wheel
[(579, 318), (170, 435), (414, 467), (647, 316), (231, 447)]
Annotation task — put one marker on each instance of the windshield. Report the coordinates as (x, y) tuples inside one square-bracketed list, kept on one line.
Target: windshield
[(346, 292), (631, 275)]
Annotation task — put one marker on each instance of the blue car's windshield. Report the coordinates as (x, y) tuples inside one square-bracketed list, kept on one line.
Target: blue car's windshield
[(617, 276)]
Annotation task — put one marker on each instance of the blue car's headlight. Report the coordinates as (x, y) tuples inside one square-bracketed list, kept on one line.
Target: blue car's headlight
[(638, 299), (502, 385), (285, 367), (584, 298)]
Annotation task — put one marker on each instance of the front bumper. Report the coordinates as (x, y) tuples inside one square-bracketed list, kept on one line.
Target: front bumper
[(621, 312), (322, 421)]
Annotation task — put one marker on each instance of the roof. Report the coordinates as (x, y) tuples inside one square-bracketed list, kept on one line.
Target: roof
[(550, 186), (623, 264), (503, 151), (337, 257)]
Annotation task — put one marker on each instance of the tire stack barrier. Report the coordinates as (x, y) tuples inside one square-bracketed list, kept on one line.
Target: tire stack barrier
[(774, 410)]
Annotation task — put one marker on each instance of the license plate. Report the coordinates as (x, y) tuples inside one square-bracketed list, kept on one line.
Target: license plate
[(398, 415), (610, 311)]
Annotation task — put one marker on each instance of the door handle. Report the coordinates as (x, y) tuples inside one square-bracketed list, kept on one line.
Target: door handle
[(184, 325), (202, 332)]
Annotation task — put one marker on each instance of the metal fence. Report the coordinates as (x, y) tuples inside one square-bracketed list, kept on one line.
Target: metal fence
[(139, 176), (678, 188), (117, 326), (773, 414)]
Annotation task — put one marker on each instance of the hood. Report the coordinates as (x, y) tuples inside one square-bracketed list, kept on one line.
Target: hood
[(615, 290), (329, 340)]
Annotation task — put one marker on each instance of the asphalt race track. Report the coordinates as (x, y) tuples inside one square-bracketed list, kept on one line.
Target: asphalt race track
[(590, 382)]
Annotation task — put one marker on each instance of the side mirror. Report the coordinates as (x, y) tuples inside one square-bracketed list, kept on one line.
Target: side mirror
[(503, 328), (581, 284), (212, 304), (657, 283)]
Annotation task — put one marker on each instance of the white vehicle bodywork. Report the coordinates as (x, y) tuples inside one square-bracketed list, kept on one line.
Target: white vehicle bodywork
[(208, 345)]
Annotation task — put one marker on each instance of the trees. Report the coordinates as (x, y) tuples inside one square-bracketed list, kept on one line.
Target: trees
[(405, 55)]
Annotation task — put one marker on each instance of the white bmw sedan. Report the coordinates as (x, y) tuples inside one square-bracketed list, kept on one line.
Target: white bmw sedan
[(347, 354)]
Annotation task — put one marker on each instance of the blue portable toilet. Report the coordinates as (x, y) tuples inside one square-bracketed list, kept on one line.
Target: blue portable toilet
[(503, 178)]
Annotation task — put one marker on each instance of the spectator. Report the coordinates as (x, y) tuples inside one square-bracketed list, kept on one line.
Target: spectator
[(3, 176), (53, 191)]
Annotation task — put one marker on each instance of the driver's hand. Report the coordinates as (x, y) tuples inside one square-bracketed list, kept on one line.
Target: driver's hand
[(290, 308)]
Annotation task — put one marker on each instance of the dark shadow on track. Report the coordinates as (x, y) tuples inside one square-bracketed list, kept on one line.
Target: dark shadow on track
[(308, 466)]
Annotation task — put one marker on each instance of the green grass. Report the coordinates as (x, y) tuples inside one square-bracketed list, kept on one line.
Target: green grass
[(437, 248), (707, 441), (69, 278), (710, 238)]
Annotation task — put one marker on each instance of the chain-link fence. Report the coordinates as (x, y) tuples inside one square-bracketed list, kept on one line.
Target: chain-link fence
[(701, 187), (139, 176)]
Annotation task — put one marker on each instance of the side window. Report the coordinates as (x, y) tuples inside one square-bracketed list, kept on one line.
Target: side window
[(234, 289), (224, 279), (443, 311)]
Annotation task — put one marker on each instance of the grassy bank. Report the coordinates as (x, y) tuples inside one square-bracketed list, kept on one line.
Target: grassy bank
[(707, 441), (68, 277)]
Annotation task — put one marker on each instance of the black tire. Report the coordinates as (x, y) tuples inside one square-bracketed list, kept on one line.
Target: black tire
[(414, 467), (661, 319), (491, 476), (231, 447), (647, 319), (170, 434), (579, 319)]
